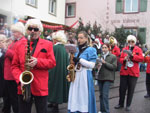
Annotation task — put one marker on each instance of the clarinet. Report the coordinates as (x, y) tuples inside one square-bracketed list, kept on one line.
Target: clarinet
[(127, 60)]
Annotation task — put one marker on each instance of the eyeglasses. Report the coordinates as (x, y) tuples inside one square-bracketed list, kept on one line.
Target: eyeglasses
[(104, 47), (130, 41), (31, 28)]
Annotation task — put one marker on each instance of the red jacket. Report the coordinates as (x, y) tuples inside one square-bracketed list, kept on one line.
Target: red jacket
[(8, 60), (116, 51), (137, 57), (45, 61), (100, 39), (147, 60)]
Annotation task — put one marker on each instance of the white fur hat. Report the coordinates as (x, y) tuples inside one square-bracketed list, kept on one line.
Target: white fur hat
[(34, 22), (131, 37), (19, 27), (59, 36)]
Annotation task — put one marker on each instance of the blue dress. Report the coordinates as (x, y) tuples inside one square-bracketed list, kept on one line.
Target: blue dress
[(81, 93)]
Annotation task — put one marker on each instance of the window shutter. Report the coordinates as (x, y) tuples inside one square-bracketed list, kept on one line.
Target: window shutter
[(142, 35), (143, 5), (119, 6)]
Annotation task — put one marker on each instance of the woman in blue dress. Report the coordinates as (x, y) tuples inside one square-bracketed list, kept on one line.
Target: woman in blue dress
[(82, 94)]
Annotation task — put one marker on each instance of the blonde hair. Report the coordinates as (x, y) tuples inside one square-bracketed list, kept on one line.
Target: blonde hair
[(34, 22), (3, 37), (19, 27), (86, 36), (59, 36), (90, 41)]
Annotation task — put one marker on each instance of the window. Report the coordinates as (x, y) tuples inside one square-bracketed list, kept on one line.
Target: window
[(131, 6), (52, 7), (70, 10), (32, 2), (142, 35), (133, 31)]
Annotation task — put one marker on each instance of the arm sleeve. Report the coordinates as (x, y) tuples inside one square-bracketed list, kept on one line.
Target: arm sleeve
[(15, 67), (9, 54), (138, 56), (122, 56), (86, 63), (117, 52), (112, 65)]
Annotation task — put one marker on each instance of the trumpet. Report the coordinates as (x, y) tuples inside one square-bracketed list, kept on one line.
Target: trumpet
[(26, 77)]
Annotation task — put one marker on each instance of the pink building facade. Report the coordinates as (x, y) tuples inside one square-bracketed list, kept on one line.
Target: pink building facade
[(112, 14)]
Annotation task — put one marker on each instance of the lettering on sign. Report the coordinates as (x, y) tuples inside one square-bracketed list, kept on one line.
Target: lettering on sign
[(131, 21), (125, 21)]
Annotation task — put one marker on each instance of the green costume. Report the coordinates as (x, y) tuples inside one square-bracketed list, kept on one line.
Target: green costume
[(58, 85)]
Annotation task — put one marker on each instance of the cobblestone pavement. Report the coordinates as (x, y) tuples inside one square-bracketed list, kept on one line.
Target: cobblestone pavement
[(139, 103)]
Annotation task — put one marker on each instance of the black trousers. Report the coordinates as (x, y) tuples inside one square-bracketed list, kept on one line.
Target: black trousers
[(40, 104), (127, 84), (10, 96), (148, 83)]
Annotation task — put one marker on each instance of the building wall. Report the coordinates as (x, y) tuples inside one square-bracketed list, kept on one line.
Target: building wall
[(104, 12), (18, 8)]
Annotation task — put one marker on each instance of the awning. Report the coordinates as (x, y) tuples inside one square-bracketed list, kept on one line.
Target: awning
[(55, 27)]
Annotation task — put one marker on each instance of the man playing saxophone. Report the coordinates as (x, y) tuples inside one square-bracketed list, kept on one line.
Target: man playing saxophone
[(42, 59), (147, 60), (114, 49)]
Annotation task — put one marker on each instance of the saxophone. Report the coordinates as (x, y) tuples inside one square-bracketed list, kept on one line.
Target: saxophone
[(26, 77), (147, 56), (71, 68)]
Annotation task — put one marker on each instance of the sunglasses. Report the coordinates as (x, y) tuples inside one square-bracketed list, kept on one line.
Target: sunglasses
[(31, 28), (131, 41), (104, 47)]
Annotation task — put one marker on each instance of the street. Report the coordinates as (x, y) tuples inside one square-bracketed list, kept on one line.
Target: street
[(139, 103)]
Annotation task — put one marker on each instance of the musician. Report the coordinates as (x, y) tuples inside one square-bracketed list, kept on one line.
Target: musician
[(3, 48), (106, 76), (58, 84), (81, 94), (147, 60), (115, 50), (11, 97), (129, 72), (42, 59)]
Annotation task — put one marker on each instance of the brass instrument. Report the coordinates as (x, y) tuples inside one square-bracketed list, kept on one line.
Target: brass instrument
[(147, 53), (111, 40), (147, 56), (71, 68), (26, 77)]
